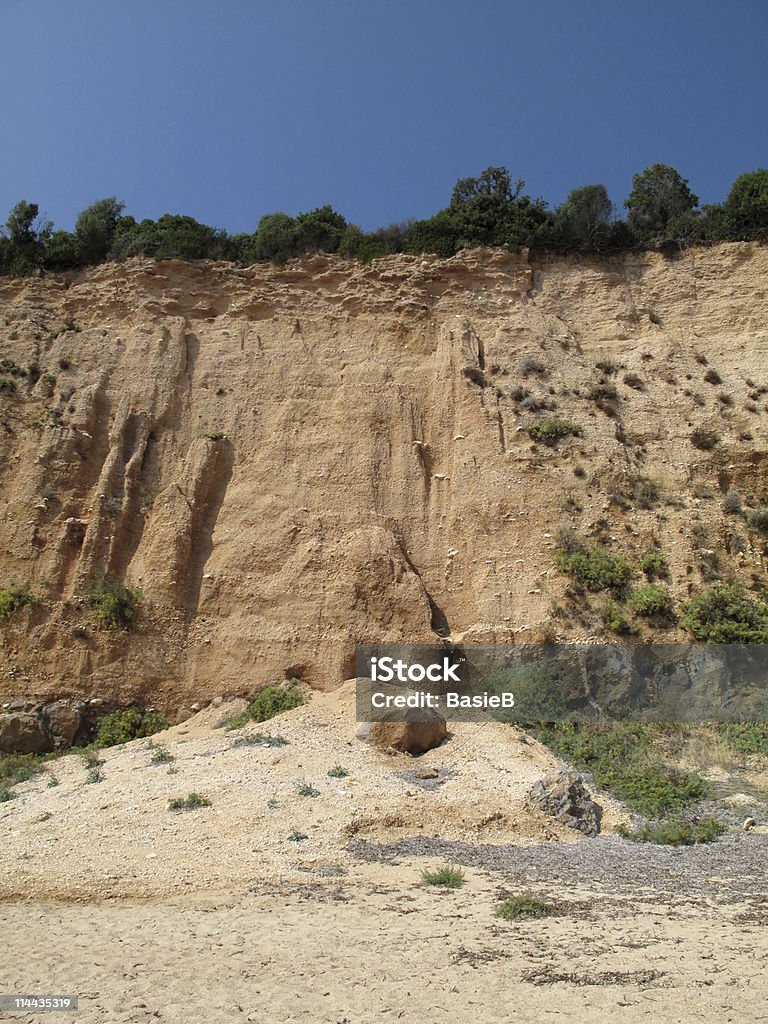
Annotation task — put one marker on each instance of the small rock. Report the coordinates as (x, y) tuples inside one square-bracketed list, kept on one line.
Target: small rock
[(23, 734), (426, 773), (749, 824), (564, 797)]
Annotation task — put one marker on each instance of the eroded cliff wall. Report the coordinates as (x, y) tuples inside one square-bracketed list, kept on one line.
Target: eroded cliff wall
[(288, 461)]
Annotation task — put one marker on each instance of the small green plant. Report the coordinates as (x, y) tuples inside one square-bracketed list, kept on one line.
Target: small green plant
[(615, 620), (297, 837), (6, 795), (651, 601), (114, 603), (214, 435), (551, 430), (654, 564), (727, 614), (337, 772), (732, 503), (124, 726), (271, 701), (307, 789), (7, 385), (191, 802), (449, 877), (522, 907), (13, 598), (645, 492), (273, 803), (52, 782), (259, 739), (160, 755), (94, 774), (596, 567), (676, 832), (758, 519), (15, 768)]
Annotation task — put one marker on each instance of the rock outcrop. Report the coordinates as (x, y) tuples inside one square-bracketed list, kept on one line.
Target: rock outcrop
[(286, 461)]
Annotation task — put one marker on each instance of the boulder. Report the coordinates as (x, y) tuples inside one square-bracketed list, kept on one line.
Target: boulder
[(23, 734), (563, 796), (63, 722), (412, 731)]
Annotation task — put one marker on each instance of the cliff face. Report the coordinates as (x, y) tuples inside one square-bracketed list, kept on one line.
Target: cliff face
[(288, 461)]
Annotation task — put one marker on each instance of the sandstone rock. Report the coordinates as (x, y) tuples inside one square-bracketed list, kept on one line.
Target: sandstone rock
[(749, 824), (183, 715), (23, 734), (63, 722), (421, 730), (564, 797)]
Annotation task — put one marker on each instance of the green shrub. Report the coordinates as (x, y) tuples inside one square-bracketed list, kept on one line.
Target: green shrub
[(676, 832), (15, 768), (551, 430), (615, 620), (337, 772), (726, 614), (160, 755), (259, 739), (13, 598), (297, 837), (758, 519), (651, 600), (188, 803), (654, 564), (307, 789), (645, 492), (622, 760), (521, 907), (448, 876), (747, 738), (538, 696), (124, 726), (598, 568), (7, 385), (731, 503), (114, 603), (272, 700)]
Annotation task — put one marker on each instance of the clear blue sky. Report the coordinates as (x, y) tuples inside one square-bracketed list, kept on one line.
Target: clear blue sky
[(230, 109)]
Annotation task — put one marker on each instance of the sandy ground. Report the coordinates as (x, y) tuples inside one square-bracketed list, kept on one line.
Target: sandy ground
[(217, 915)]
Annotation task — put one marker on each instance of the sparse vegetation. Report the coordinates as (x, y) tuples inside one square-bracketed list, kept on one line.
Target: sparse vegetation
[(654, 564), (615, 620), (307, 789), (703, 439), (524, 906), (297, 837), (259, 739), (732, 503), (131, 724), (757, 519), (272, 700), (13, 598), (651, 601), (448, 877), (597, 568), (115, 604), (160, 755), (191, 802), (338, 772), (624, 759), (15, 768), (551, 430), (726, 614), (645, 492), (676, 832)]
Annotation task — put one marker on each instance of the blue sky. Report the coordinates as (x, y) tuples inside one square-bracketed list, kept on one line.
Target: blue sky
[(227, 109)]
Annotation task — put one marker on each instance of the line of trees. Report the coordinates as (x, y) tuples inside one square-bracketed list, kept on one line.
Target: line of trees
[(492, 209)]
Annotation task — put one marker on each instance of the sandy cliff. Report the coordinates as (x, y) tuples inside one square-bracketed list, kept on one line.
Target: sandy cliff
[(288, 461)]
